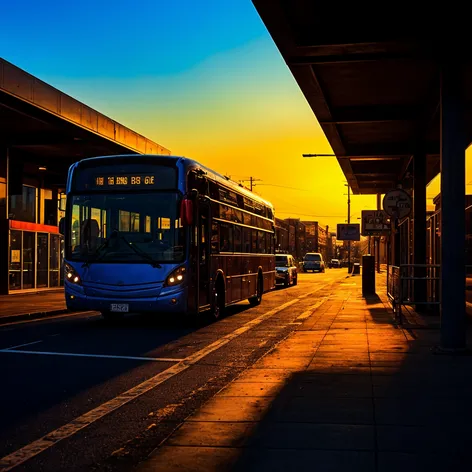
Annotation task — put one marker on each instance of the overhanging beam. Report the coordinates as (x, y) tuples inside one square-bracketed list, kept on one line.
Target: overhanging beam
[(353, 58), (372, 113)]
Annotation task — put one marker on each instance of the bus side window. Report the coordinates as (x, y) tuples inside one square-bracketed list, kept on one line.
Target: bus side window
[(246, 240), (226, 238), (215, 238), (254, 247), (269, 246), (196, 180), (261, 242), (237, 239)]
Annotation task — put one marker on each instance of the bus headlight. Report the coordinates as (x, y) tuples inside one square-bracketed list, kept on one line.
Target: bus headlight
[(176, 277), (71, 275)]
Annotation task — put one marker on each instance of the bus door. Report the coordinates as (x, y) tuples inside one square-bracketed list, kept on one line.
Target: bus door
[(204, 285)]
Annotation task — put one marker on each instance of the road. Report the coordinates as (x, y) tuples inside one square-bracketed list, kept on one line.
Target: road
[(82, 394)]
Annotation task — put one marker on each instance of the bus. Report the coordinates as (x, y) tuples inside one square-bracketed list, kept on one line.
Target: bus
[(163, 234)]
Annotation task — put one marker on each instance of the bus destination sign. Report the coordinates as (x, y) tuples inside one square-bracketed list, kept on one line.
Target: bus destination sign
[(131, 181)]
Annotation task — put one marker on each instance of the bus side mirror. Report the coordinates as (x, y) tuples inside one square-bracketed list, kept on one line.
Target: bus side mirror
[(62, 202), (62, 225), (186, 212)]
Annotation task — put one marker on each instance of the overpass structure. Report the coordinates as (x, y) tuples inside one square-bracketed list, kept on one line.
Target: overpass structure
[(392, 94), (43, 131)]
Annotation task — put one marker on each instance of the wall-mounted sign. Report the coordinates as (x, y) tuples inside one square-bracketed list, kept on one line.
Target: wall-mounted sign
[(375, 223), (397, 203), (348, 232)]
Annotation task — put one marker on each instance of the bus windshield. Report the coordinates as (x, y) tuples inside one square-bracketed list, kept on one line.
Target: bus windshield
[(131, 227)]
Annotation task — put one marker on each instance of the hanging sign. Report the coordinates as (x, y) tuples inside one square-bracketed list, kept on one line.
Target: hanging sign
[(397, 203), (348, 232), (375, 223)]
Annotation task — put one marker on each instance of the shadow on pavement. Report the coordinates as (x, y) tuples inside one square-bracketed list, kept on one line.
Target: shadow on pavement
[(351, 392)]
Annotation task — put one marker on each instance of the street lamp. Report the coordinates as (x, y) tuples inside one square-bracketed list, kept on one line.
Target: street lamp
[(319, 155)]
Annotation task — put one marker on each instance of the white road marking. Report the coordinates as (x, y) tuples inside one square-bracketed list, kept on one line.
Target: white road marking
[(20, 345), (104, 356), (306, 314), (36, 447), (55, 317)]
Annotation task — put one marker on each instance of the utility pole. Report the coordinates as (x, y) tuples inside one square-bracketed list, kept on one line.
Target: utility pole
[(251, 181)]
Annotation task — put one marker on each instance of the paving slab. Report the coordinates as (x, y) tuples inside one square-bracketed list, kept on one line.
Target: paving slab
[(348, 390), (283, 460), (191, 459), (213, 434), (350, 437), (221, 408)]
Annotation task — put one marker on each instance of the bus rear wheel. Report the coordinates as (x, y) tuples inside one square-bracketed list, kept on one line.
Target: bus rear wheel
[(256, 300)]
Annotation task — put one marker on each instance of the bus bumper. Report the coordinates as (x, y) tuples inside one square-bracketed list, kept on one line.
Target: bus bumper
[(173, 302)]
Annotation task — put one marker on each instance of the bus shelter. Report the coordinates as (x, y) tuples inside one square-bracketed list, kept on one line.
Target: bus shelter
[(393, 97)]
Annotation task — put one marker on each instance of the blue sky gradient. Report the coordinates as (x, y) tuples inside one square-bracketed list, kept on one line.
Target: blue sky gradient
[(202, 78)]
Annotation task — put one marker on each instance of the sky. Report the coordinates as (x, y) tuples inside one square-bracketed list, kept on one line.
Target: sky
[(203, 79)]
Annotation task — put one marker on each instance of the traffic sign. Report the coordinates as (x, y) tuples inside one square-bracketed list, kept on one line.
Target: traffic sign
[(348, 232), (375, 223), (397, 203)]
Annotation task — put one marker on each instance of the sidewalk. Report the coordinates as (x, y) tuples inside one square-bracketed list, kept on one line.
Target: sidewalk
[(31, 305), (347, 391)]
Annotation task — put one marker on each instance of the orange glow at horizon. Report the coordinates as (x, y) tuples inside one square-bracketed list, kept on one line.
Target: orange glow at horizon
[(242, 114)]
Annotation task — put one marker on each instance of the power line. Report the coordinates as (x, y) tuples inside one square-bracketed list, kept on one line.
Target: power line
[(283, 186), (309, 214)]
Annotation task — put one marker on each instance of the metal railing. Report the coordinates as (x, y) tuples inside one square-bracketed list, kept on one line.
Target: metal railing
[(413, 284)]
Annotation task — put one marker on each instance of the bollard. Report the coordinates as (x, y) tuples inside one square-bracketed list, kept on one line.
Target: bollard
[(368, 276)]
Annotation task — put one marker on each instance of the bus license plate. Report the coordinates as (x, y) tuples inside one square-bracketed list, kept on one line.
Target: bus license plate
[(119, 307)]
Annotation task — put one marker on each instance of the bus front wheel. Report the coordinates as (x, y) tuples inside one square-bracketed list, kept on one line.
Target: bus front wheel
[(256, 300)]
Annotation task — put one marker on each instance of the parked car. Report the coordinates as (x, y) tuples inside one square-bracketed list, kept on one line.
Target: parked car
[(285, 270), (313, 261), (335, 264)]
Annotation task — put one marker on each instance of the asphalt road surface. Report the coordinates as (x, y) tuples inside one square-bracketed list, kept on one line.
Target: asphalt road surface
[(79, 393)]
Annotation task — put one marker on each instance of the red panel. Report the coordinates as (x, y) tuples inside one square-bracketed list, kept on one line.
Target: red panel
[(25, 226)]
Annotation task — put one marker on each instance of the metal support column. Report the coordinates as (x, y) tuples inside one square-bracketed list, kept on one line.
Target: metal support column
[(4, 224), (348, 222), (377, 251), (453, 317), (419, 226)]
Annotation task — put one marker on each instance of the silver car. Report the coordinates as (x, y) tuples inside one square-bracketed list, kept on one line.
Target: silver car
[(285, 270), (313, 261)]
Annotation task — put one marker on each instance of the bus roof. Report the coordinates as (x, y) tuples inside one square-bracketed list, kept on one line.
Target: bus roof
[(217, 177)]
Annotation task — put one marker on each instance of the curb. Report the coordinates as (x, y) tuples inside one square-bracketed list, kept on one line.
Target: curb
[(32, 316)]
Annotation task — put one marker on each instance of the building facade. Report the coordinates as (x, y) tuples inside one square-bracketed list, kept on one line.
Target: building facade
[(43, 132)]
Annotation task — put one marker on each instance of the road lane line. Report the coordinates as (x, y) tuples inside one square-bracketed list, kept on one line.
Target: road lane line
[(36, 447), (47, 318), (306, 314), (20, 345), (103, 356)]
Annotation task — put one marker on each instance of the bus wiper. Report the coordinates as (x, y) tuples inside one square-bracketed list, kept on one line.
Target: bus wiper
[(98, 252), (141, 253)]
